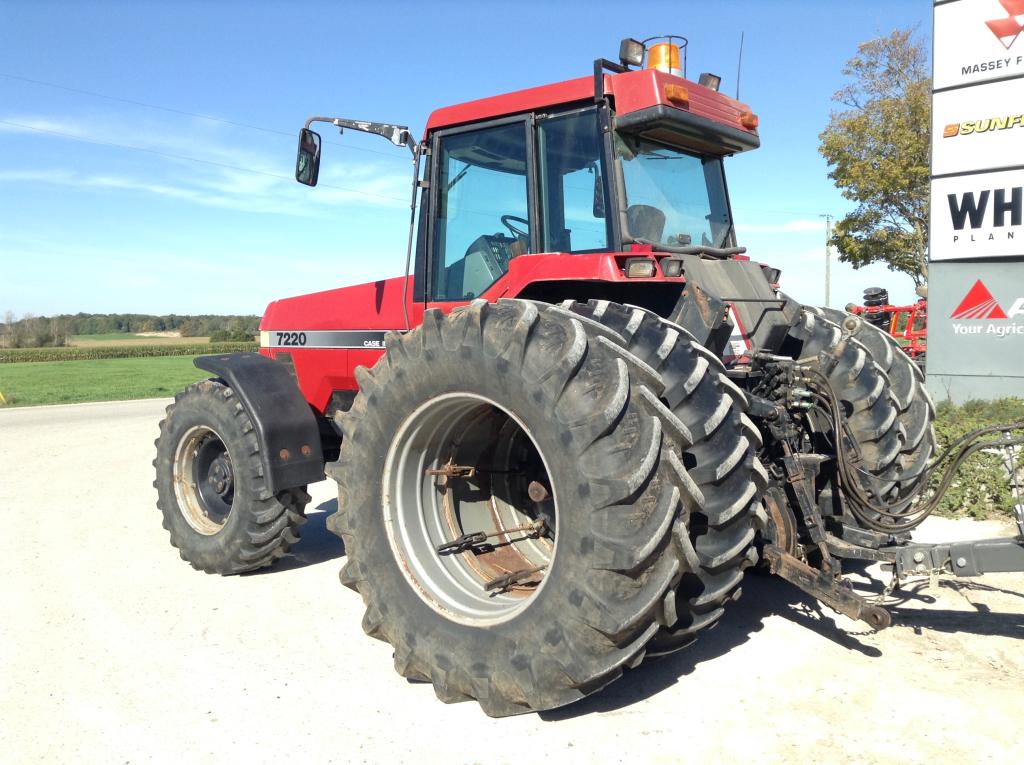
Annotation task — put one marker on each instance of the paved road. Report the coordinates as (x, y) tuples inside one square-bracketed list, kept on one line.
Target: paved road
[(113, 650)]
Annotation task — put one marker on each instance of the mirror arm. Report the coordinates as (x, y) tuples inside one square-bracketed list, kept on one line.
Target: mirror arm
[(399, 135)]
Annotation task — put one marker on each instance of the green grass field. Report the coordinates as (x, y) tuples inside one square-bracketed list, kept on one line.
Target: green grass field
[(72, 382)]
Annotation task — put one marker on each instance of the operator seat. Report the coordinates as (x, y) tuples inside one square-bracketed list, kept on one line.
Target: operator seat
[(645, 222)]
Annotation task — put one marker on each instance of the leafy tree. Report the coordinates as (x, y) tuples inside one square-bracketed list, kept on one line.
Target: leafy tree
[(878, 151), (7, 335), (189, 328)]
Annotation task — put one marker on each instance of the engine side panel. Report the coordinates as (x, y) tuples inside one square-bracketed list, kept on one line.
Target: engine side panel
[(324, 336), (328, 334)]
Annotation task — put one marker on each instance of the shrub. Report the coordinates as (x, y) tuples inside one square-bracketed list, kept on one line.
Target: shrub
[(982, 484), (231, 336)]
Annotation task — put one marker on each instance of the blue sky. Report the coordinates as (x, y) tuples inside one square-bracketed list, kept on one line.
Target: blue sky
[(110, 205)]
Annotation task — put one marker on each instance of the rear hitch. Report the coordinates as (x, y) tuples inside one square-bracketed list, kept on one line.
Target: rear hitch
[(830, 590), (973, 558)]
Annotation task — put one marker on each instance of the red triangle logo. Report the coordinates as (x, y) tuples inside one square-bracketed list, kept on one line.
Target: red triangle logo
[(979, 304)]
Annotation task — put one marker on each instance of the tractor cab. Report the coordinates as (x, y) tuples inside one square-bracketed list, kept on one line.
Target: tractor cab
[(629, 159), (608, 186), (556, 182)]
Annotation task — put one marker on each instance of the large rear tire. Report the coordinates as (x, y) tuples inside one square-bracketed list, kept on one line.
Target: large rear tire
[(210, 487), (717, 443), (451, 434), (888, 408), (915, 408)]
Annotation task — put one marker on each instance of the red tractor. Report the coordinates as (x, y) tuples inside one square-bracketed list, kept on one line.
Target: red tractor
[(583, 412)]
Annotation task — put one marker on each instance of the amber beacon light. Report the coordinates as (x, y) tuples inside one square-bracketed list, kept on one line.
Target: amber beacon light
[(665, 57)]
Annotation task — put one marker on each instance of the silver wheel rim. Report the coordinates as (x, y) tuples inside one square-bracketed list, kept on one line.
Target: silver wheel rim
[(188, 493), (424, 510)]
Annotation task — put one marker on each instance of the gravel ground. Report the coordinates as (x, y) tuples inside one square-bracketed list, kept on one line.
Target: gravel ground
[(113, 650)]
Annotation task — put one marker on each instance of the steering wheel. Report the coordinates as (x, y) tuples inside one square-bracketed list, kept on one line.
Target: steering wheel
[(506, 221)]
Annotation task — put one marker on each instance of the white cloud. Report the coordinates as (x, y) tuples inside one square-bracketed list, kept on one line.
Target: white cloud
[(234, 190), (31, 124), (210, 165)]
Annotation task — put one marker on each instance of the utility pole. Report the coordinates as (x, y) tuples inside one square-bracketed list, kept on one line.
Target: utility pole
[(828, 258)]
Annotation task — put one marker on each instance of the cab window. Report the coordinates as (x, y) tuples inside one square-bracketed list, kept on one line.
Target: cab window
[(572, 190), (482, 208)]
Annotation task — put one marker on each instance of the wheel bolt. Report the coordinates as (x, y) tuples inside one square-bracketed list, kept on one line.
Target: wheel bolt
[(538, 492)]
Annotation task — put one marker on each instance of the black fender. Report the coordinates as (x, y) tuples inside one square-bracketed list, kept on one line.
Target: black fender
[(766, 315), (284, 421)]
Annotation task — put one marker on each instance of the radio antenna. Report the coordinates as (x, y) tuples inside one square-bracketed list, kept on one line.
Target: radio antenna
[(739, 66)]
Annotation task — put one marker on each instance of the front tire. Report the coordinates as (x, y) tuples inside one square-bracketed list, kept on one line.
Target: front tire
[(210, 487)]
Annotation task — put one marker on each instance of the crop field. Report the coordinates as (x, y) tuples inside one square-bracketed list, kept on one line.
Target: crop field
[(72, 382), (124, 338), (122, 351)]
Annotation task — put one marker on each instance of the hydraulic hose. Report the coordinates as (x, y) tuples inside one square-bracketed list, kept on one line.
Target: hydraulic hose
[(909, 512)]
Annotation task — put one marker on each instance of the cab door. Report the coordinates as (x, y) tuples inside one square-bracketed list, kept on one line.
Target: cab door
[(482, 211)]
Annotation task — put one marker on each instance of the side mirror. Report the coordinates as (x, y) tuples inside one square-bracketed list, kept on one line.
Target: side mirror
[(307, 163)]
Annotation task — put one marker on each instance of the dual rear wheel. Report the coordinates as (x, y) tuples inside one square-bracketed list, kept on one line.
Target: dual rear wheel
[(534, 498)]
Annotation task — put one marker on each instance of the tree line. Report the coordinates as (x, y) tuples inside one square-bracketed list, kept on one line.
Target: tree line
[(53, 331)]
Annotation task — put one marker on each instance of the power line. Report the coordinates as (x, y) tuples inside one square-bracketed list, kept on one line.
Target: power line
[(169, 155), (181, 112)]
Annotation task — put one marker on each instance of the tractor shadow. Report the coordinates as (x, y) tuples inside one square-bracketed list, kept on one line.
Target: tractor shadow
[(765, 596), (317, 544), (981, 620)]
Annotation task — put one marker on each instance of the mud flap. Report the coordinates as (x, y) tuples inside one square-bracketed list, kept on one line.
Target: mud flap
[(284, 422)]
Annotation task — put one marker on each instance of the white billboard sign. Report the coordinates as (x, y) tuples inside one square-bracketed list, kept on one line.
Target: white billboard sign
[(978, 216), (978, 128), (977, 41)]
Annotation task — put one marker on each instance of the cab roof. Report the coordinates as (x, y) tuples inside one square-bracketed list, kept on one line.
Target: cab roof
[(634, 95)]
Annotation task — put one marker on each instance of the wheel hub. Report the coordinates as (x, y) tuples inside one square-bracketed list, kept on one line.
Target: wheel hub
[(469, 509), (204, 480), (220, 476)]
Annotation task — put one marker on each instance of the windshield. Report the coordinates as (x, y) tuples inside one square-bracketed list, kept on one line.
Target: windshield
[(673, 198)]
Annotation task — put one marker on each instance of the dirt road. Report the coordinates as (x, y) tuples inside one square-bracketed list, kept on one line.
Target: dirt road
[(113, 650)]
